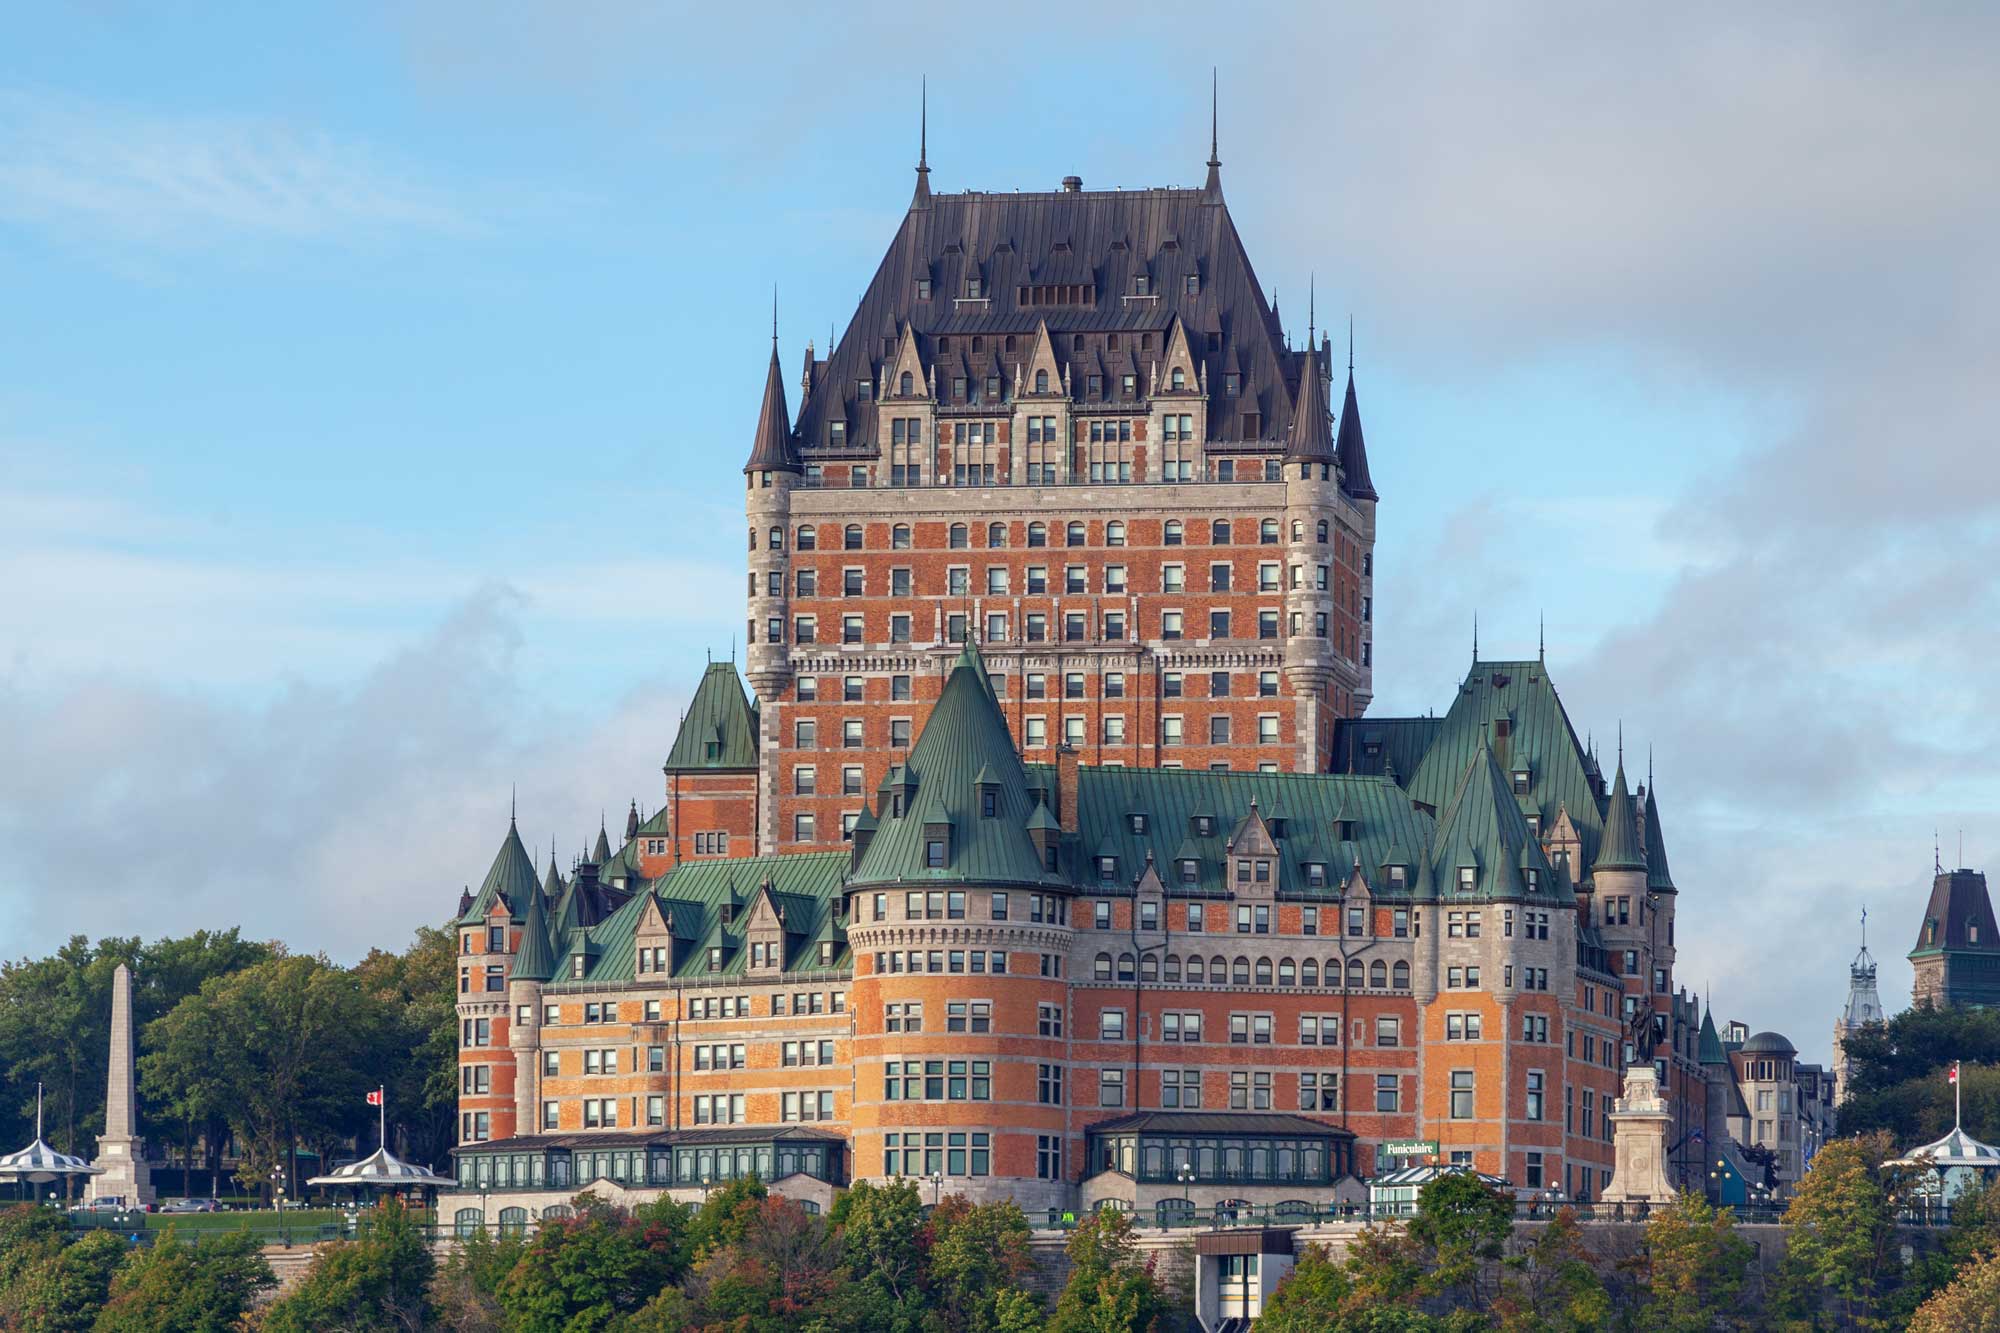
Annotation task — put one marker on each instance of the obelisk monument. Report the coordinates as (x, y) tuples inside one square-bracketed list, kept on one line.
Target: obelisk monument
[(121, 1155)]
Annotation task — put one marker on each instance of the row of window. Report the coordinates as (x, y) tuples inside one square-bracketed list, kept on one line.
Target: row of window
[(1285, 972), (1075, 580), (1074, 627), (1076, 533), (937, 1080), (942, 1153)]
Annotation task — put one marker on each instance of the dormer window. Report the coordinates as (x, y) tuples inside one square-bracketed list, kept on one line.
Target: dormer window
[(1179, 380), (836, 433), (1138, 823), (715, 959), (1398, 876), (1521, 781), (1534, 878), (1468, 878), (1193, 284), (1315, 874), (1141, 285), (576, 966), (1204, 826), (1041, 381), (934, 853), (826, 953), (711, 749), (905, 385), (1190, 870), (975, 288), (1232, 384), (923, 289), (1107, 869)]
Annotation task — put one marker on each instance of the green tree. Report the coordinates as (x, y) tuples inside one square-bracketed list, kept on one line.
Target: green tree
[(1896, 1074), (723, 1217), (978, 1256), (1386, 1266), (1840, 1234), (1313, 1298), (881, 1228), (1554, 1283), (1974, 1232), (172, 1286), (1695, 1265), (465, 1294), (1464, 1223), (54, 1286), (417, 1055), (284, 1043), (1971, 1304), (585, 1273), (1110, 1290), (376, 1283)]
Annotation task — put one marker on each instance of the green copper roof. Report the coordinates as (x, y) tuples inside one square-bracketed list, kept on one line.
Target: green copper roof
[(511, 879), (1711, 1042), (720, 729), (1619, 848), (1383, 746), (692, 896), (1483, 828), (535, 960), (964, 741), (600, 854), (1522, 693), (1658, 877)]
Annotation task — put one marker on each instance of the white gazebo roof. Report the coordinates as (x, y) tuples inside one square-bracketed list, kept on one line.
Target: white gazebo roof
[(1425, 1173), (39, 1162), (382, 1169), (1957, 1148)]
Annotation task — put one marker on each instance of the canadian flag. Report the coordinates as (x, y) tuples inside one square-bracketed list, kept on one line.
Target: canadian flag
[(375, 1097), (1952, 1077)]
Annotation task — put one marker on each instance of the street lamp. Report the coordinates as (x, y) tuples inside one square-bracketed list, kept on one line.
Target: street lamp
[(937, 1188), (1185, 1174)]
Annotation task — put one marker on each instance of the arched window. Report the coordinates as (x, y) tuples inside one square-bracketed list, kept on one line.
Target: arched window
[(558, 1211), (1114, 533), (1322, 532), (513, 1221), (996, 534), (1074, 534), (1309, 972), (850, 537), (468, 1222), (1173, 967), (1172, 533), (1378, 974), (1174, 1212), (905, 385), (1356, 974), (1038, 534), (1240, 973), (960, 538), (1101, 968), (808, 538), (1197, 967), (1298, 529), (1399, 975), (1219, 533), (1179, 379), (899, 537), (1149, 967), (1267, 532), (1125, 962), (1218, 969), (1263, 971), (1041, 381), (1287, 972), (776, 538)]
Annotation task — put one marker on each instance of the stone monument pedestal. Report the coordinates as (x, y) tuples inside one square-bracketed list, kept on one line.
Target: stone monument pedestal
[(1639, 1141), (121, 1153)]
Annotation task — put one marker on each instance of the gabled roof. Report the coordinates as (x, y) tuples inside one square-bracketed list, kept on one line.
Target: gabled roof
[(1537, 724), (720, 729), (964, 739), (1619, 848), (1101, 239), (1483, 828), (772, 449), (510, 880)]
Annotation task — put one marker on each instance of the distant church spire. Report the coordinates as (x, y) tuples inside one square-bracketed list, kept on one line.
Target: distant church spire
[(922, 198), (1213, 187)]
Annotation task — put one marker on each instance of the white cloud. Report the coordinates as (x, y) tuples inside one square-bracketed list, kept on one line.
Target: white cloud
[(201, 180)]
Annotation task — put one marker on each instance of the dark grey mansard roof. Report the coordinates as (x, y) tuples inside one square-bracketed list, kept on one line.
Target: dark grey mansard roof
[(1102, 238)]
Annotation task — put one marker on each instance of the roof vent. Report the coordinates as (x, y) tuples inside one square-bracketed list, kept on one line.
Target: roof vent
[(1072, 185)]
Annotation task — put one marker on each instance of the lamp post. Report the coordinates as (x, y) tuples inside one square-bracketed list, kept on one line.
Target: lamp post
[(1185, 1174), (937, 1188), (277, 1176)]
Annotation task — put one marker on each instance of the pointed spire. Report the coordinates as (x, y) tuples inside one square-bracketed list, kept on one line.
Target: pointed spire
[(1352, 448), (534, 959), (1475, 638), (773, 449), (1311, 436), (1213, 187), (1659, 878), (1542, 656), (922, 198), (1619, 849)]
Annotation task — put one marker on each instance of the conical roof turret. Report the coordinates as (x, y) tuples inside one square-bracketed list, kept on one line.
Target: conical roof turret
[(535, 959), (773, 449), (1619, 848), (1312, 424), (1659, 878), (511, 879), (1350, 448)]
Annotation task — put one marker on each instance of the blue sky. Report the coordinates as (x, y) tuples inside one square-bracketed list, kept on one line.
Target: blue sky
[(377, 379)]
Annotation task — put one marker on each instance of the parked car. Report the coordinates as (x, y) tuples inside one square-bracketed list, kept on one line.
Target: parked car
[(191, 1206), (105, 1205)]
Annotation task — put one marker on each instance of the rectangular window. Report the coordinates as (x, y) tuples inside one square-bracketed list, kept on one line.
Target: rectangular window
[(1110, 1087)]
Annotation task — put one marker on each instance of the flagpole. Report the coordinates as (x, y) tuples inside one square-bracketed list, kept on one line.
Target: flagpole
[(382, 1113), (1957, 1095)]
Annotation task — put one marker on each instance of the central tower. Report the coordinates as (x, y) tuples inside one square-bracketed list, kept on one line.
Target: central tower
[(1066, 426)]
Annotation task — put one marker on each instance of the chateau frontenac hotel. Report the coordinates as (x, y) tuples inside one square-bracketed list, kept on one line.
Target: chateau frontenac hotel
[(1051, 853)]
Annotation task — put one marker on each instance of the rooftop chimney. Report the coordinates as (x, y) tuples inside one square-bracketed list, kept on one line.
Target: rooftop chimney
[(1072, 185)]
